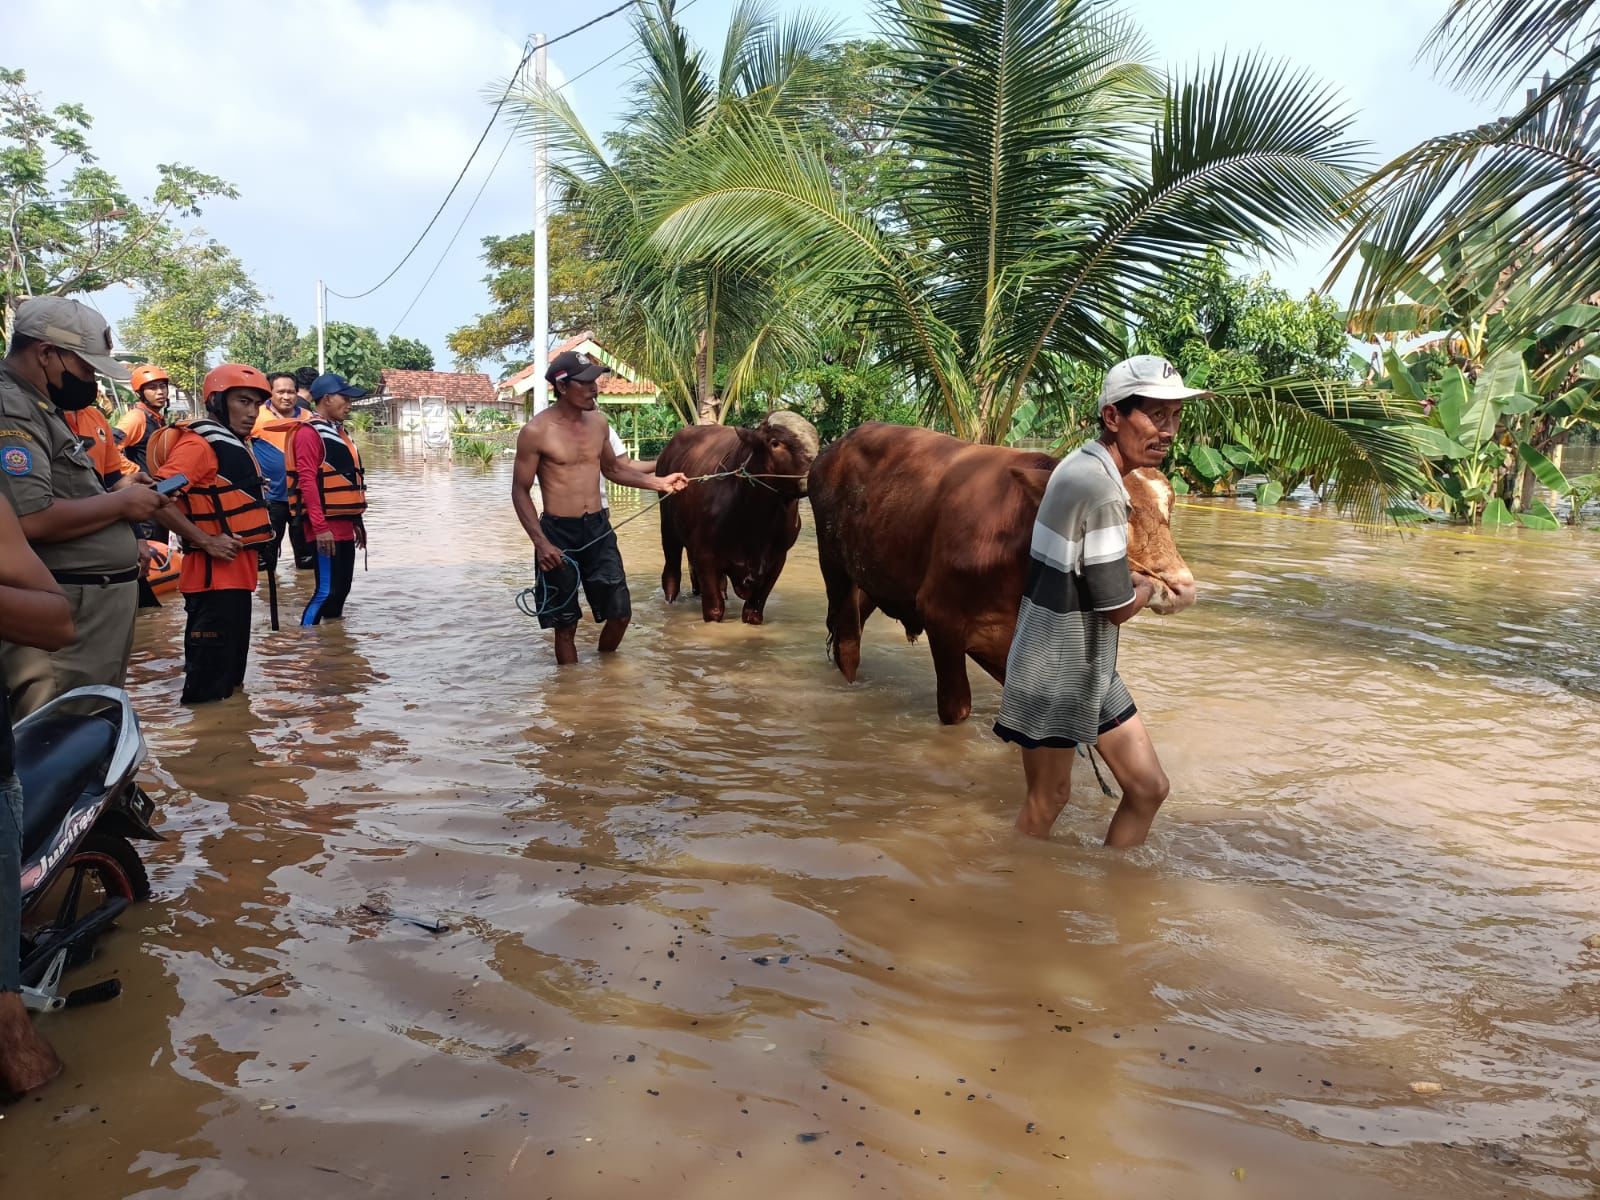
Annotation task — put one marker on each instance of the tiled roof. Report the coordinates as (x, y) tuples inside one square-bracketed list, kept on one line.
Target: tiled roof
[(452, 388), (614, 384)]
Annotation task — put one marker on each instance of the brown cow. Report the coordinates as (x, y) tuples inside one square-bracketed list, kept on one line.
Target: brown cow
[(736, 529), (935, 532)]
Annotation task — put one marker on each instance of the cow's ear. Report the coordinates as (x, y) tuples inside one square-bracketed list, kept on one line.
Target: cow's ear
[(1032, 481)]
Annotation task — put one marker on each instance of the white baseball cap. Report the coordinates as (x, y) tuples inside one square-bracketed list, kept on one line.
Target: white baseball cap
[(68, 325), (1145, 376)]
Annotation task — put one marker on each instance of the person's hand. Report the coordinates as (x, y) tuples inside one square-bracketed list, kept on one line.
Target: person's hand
[(225, 549), (147, 555), (546, 555), (668, 484), (325, 543), (1143, 588), (141, 476), (140, 503), (361, 536)]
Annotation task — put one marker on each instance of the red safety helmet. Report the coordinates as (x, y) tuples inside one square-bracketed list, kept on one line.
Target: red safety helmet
[(233, 375), (146, 373)]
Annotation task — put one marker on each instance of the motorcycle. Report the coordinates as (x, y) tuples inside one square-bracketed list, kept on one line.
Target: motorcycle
[(77, 758)]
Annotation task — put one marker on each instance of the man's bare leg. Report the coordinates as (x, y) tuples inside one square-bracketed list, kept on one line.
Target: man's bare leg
[(611, 634), (566, 644), (26, 1060), (1131, 755), (1048, 771)]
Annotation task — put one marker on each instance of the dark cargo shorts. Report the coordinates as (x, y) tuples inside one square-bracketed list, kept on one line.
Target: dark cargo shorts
[(589, 542)]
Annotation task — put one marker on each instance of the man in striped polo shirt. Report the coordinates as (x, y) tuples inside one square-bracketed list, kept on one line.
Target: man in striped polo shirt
[(1062, 688)]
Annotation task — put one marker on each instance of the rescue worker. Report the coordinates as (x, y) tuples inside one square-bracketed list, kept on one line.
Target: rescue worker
[(332, 495), (151, 388), (78, 529), (280, 416), (223, 498)]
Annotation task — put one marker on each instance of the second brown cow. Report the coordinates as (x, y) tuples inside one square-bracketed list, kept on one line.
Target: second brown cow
[(935, 532), (737, 528)]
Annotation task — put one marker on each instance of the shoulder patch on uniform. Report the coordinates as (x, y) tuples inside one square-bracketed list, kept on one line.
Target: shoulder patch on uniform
[(16, 460)]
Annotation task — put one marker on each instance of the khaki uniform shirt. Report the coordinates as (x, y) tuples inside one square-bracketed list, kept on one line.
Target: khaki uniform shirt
[(42, 461)]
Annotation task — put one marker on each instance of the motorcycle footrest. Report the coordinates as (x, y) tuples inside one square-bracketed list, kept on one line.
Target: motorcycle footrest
[(95, 993)]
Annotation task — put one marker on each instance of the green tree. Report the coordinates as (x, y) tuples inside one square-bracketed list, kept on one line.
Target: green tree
[(1510, 192), (579, 297), (705, 332), (196, 306), (354, 351), (268, 341), (1222, 329), (69, 227), (407, 354)]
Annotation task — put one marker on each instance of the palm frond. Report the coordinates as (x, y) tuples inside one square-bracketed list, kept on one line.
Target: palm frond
[(1484, 43), (1248, 155), (1358, 443), (1510, 192)]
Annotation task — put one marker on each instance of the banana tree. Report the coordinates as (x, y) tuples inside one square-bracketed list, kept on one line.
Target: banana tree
[(1576, 492)]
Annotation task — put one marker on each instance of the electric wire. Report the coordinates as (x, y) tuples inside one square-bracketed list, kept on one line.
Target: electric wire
[(493, 117)]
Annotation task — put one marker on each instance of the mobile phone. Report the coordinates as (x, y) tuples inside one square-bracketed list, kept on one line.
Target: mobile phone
[(176, 483)]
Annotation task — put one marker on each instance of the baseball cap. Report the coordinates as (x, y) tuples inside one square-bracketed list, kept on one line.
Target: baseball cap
[(1148, 376), (64, 323), (335, 385), (575, 365)]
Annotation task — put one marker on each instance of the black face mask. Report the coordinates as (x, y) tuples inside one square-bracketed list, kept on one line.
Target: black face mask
[(72, 393)]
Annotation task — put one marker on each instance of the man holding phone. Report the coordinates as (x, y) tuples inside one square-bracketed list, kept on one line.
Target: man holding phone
[(78, 529)]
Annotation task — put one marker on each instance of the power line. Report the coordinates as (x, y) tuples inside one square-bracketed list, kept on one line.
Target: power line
[(493, 117), (512, 137)]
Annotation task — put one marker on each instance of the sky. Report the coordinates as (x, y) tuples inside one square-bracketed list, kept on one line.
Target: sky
[(343, 122)]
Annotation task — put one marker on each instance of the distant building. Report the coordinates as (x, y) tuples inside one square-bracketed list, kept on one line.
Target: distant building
[(405, 398), (623, 387)]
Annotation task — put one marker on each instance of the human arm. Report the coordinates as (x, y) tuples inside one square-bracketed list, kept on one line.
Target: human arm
[(194, 460), (629, 474), (65, 520), (33, 611), (1114, 590), (306, 445), (524, 473)]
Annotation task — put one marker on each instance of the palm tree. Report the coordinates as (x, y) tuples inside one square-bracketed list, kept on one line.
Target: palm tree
[(1521, 193), (707, 334), (1055, 180)]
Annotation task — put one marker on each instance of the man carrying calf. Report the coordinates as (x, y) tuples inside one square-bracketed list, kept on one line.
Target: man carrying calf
[(1062, 689)]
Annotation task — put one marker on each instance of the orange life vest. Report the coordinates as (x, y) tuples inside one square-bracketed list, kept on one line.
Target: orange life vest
[(341, 483), (138, 425), (230, 505)]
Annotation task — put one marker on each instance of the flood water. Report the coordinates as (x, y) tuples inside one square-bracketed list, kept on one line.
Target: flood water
[(721, 925)]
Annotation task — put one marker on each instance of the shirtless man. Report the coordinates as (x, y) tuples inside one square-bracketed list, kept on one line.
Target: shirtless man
[(567, 448)]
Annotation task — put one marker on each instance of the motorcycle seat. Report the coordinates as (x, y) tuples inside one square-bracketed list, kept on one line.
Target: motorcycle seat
[(57, 759)]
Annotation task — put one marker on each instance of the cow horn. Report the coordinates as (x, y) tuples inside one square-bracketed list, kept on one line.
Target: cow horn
[(800, 427)]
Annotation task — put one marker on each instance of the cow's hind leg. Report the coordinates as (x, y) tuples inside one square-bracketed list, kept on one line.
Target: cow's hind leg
[(949, 647), (845, 602), (672, 564)]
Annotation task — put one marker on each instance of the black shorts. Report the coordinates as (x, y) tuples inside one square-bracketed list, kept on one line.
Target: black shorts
[(589, 542)]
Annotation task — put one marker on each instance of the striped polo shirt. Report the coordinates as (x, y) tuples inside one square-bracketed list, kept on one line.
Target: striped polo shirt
[(1061, 678)]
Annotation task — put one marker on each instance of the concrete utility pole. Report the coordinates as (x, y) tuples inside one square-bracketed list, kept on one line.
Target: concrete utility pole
[(322, 313), (541, 240)]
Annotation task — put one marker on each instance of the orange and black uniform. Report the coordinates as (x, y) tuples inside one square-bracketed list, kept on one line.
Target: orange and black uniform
[(328, 488), (271, 441), (133, 433), (100, 442), (222, 497)]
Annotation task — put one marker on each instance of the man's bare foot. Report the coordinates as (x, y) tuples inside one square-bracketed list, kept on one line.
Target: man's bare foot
[(27, 1062)]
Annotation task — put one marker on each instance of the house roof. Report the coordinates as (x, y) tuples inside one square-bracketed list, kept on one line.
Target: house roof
[(447, 385), (623, 380)]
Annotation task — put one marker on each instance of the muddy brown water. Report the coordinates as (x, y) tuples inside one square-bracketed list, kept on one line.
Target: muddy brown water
[(721, 925)]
